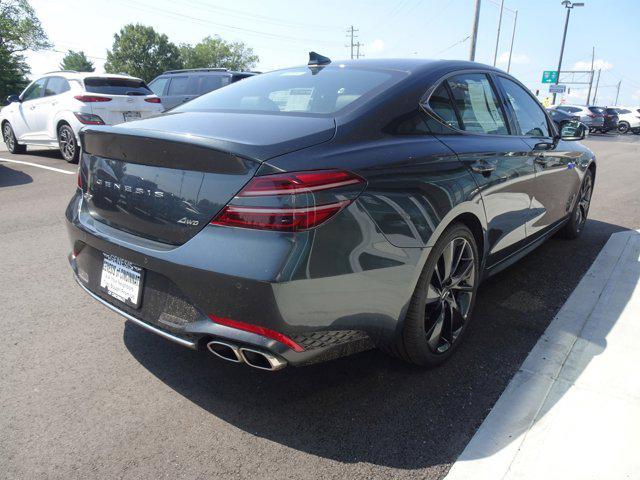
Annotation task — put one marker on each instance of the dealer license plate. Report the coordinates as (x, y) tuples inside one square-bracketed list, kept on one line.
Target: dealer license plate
[(129, 116), (121, 279)]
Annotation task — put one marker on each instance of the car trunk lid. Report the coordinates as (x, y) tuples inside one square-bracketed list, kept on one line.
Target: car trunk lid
[(168, 185)]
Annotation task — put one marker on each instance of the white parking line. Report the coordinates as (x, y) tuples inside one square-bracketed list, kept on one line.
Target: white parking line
[(53, 169), (572, 411)]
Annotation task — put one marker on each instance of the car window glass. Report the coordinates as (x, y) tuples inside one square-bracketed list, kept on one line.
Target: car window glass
[(596, 109), (34, 91), (304, 91), (624, 110), (477, 104), (208, 83), (529, 115), (116, 86), (56, 86), (440, 103), (157, 86), (178, 86)]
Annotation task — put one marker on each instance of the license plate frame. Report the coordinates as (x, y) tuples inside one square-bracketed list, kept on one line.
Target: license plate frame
[(122, 280), (131, 116)]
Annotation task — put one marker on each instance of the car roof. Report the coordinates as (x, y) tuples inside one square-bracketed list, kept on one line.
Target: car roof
[(73, 75), (208, 70)]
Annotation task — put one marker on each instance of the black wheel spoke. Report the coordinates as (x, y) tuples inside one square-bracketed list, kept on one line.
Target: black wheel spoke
[(435, 332), (432, 294)]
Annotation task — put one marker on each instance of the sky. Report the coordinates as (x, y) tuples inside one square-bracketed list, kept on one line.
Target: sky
[(282, 32)]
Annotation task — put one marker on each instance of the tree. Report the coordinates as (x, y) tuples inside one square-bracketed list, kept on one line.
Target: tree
[(77, 61), (20, 30), (142, 52), (214, 52)]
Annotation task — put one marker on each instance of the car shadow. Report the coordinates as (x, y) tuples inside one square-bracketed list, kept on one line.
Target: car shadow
[(10, 177), (374, 409)]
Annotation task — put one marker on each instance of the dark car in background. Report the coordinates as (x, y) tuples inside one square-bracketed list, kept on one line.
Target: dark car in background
[(560, 118), (178, 86), (592, 117), (316, 211), (610, 119)]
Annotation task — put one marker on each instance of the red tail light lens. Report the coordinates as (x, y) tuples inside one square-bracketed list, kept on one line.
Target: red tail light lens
[(88, 118), (92, 98), (153, 100), (304, 199), (265, 332), (79, 179)]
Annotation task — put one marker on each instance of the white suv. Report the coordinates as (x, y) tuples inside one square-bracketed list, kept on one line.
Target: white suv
[(52, 109), (628, 119)]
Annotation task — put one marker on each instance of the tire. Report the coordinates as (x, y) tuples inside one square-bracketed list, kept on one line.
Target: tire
[(623, 127), (592, 130), (68, 144), (575, 225), (11, 141), (635, 131), (441, 308)]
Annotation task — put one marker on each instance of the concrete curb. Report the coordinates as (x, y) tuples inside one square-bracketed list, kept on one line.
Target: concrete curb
[(552, 369)]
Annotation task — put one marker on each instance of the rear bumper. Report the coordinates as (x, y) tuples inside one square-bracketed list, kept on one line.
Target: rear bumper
[(311, 290)]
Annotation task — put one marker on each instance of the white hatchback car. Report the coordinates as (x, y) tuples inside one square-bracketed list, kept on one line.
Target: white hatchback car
[(52, 109)]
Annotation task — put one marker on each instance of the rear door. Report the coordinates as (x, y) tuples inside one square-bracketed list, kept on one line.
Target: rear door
[(499, 162), (49, 106), (177, 92), (128, 99), (556, 179)]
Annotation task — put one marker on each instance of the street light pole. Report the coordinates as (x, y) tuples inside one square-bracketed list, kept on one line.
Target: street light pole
[(569, 6), (513, 36), (474, 32), (495, 53)]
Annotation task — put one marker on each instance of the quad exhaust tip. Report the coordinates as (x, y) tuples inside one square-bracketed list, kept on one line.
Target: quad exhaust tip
[(254, 358)]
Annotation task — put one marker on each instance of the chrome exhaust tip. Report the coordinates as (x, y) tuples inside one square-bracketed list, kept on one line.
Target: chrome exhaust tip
[(225, 351), (261, 360)]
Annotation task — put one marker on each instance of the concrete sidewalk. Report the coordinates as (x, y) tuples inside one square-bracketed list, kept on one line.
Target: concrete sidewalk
[(572, 411)]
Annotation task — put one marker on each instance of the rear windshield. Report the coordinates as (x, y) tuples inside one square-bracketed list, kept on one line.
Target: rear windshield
[(597, 109), (306, 91), (612, 111), (116, 86)]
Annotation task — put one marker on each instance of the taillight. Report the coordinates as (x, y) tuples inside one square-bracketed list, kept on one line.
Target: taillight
[(92, 98), (153, 100), (291, 202), (88, 118), (263, 331), (79, 179)]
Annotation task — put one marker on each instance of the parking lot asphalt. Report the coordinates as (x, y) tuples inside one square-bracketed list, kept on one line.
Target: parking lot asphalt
[(84, 394)]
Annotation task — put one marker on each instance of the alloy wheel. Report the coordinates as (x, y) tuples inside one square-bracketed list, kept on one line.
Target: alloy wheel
[(623, 127), (584, 201), (449, 295), (67, 143), (7, 133)]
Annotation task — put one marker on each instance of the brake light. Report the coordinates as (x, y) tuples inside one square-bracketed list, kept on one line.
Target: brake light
[(153, 100), (291, 202), (263, 331), (92, 98), (88, 118)]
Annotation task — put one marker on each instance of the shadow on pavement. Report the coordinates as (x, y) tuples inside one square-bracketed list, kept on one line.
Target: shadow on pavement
[(10, 177), (371, 408)]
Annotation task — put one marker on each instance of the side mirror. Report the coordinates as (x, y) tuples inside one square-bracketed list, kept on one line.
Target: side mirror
[(572, 131), (13, 99)]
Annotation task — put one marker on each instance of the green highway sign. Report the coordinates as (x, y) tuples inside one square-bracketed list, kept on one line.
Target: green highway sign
[(550, 76)]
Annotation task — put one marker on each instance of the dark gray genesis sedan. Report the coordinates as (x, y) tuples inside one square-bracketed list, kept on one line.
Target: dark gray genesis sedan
[(317, 211)]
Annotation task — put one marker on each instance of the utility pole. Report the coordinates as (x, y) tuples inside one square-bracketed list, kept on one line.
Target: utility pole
[(617, 92), (495, 54), (358, 54), (351, 33), (593, 56), (569, 6), (513, 36), (474, 32), (595, 94)]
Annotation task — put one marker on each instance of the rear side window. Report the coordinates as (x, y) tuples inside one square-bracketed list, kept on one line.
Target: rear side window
[(158, 85), (611, 111), (179, 86), (623, 111), (209, 83), (56, 86), (529, 115), (477, 104), (599, 110), (116, 86), (440, 104)]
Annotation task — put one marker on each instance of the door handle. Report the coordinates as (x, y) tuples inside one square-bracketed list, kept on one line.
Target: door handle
[(484, 167), (32, 107)]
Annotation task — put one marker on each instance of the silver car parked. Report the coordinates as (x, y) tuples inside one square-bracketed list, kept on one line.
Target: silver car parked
[(589, 115)]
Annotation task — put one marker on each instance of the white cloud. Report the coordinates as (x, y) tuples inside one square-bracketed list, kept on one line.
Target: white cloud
[(599, 64), (377, 45), (516, 58)]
